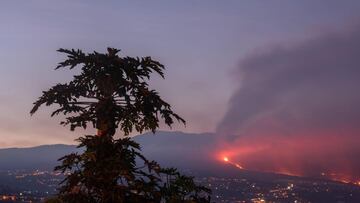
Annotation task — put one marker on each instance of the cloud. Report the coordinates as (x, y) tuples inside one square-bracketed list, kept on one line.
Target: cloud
[(302, 96)]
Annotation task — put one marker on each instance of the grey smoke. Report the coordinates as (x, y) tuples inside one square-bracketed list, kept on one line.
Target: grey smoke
[(302, 103), (312, 85)]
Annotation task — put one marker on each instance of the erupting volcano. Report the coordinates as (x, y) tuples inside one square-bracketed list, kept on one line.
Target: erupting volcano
[(227, 160), (295, 156), (296, 109)]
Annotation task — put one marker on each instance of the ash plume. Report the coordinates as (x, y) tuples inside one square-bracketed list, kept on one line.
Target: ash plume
[(305, 96)]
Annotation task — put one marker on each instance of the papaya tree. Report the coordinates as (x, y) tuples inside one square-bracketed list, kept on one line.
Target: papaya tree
[(111, 94)]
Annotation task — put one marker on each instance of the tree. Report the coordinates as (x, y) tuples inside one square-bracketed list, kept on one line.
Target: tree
[(112, 94)]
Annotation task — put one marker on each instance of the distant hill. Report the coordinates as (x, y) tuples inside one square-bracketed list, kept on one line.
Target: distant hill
[(170, 148), (40, 157), (188, 152), (194, 153), (178, 149)]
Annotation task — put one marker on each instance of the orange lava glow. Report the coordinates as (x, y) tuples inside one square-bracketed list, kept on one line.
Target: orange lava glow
[(305, 156), (227, 160), (238, 166)]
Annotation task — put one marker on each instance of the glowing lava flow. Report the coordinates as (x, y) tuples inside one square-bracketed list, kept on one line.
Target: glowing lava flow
[(226, 159)]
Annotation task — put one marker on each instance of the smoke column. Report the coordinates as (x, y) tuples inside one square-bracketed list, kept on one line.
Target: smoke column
[(297, 108)]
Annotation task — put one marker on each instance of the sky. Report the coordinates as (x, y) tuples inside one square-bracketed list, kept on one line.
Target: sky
[(232, 67)]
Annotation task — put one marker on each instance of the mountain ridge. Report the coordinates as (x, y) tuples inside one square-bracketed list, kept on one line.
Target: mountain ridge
[(185, 151), (46, 156)]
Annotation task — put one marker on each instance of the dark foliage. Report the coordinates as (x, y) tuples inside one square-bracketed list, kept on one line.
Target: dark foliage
[(111, 93)]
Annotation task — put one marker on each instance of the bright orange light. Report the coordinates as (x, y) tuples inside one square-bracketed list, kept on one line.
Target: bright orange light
[(226, 159)]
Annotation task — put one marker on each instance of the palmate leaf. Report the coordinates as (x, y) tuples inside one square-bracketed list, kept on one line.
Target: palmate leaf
[(109, 86)]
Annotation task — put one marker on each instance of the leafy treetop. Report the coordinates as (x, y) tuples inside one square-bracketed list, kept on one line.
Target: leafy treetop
[(110, 92)]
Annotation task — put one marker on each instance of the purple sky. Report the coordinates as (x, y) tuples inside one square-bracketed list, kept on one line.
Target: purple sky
[(200, 42)]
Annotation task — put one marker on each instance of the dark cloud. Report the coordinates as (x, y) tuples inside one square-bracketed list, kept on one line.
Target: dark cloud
[(309, 92)]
